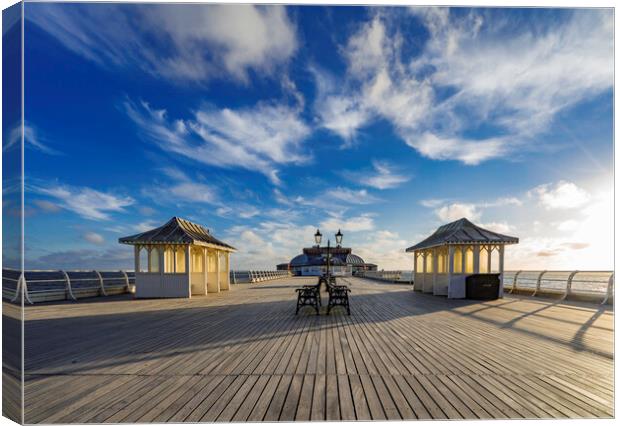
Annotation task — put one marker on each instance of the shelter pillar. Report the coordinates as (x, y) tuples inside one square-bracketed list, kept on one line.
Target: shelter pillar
[(424, 255), (489, 257), (435, 264), (501, 270), (188, 273), (136, 253), (205, 275), (160, 256), (476, 249), (217, 269), (450, 270)]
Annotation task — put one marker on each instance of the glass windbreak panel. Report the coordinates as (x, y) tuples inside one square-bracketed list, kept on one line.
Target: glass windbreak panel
[(143, 259), (168, 260), (224, 262), (441, 263), (484, 258), (494, 260), (211, 261), (458, 261), (154, 260), (197, 260), (429, 263), (180, 260), (469, 261), (420, 263)]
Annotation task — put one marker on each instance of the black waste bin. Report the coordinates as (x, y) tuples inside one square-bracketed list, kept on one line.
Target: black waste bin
[(482, 286)]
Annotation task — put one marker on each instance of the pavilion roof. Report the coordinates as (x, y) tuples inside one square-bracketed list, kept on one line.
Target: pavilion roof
[(462, 231), (176, 231)]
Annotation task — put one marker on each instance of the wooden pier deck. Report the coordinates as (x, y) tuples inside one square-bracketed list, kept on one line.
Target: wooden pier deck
[(244, 355)]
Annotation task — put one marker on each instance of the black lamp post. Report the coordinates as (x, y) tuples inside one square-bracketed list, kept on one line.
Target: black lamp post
[(317, 238)]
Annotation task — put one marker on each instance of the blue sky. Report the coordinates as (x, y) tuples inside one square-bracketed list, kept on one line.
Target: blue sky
[(264, 123)]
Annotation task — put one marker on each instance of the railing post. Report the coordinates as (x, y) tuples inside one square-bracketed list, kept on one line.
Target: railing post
[(25, 290), (102, 288), (610, 288), (569, 284), (126, 280), (18, 288), (514, 281), (538, 282), (69, 291)]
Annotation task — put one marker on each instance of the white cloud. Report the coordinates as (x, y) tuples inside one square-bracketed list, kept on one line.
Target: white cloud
[(384, 176), (456, 211), (349, 196), (32, 139), (257, 139), (521, 79), (47, 206), (146, 225), (170, 41), (468, 151), (86, 202), (94, 238), (432, 202), (561, 195), (363, 222), (514, 79), (385, 249), (501, 227)]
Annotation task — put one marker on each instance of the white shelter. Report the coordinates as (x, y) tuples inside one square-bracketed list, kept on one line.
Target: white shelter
[(443, 261), (179, 259)]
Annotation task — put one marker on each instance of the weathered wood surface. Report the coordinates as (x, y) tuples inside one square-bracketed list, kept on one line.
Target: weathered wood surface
[(244, 355)]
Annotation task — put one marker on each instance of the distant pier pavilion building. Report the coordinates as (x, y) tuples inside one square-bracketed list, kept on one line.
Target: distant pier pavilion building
[(179, 259), (444, 260), (313, 262)]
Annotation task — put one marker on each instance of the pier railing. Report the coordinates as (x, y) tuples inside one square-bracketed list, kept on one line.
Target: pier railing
[(590, 285), (239, 277), (564, 284), (53, 285), (390, 276)]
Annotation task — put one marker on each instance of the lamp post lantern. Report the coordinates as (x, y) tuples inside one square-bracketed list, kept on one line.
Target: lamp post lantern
[(317, 237), (339, 238)]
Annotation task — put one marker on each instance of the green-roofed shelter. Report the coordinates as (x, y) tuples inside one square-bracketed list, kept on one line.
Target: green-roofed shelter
[(179, 259), (454, 251)]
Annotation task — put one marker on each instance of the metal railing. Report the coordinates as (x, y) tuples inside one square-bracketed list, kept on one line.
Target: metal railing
[(238, 277), (391, 276), (565, 284), (53, 285), (590, 285)]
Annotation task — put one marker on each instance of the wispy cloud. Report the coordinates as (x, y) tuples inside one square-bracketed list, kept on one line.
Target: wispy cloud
[(32, 139), (258, 138), (170, 41), (511, 79), (383, 176), (350, 196), (363, 222), (181, 189), (86, 202), (94, 238)]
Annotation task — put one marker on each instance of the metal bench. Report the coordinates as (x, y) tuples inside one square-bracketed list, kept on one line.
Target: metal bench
[(309, 295), (338, 295)]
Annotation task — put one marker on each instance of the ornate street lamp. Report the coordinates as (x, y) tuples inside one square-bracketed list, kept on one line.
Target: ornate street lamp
[(317, 237), (339, 238)]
